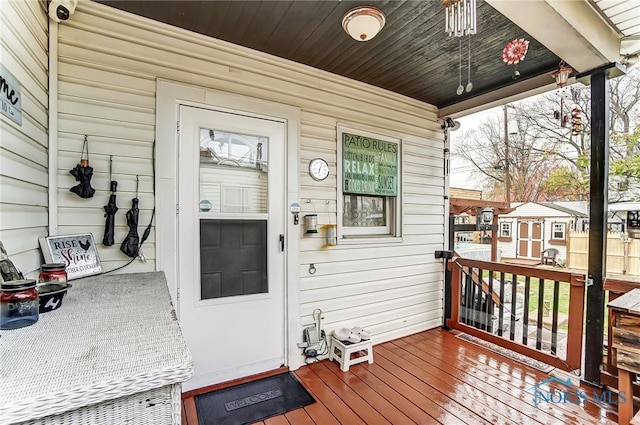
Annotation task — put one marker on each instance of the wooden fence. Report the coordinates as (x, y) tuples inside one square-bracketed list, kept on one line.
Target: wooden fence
[(623, 254)]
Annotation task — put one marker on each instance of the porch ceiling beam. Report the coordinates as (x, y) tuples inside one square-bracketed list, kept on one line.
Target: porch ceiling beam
[(511, 93), (572, 30)]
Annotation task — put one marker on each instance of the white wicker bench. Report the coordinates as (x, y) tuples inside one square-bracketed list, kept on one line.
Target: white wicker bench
[(113, 353)]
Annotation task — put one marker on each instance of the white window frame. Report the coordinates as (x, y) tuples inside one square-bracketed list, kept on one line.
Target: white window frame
[(502, 228), (392, 231), (564, 231)]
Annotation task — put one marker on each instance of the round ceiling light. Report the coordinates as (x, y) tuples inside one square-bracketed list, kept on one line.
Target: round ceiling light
[(363, 23)]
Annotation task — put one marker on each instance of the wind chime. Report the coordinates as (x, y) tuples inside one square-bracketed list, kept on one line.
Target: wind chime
[(561, 75), (460, 20)]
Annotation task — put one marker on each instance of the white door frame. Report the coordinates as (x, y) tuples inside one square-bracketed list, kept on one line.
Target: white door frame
[(169, 95)]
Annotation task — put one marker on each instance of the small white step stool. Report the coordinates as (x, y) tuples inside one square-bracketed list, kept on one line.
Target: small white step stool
[(342, 352)]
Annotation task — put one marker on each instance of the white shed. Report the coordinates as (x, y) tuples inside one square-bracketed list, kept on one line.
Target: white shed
[(533, 227)]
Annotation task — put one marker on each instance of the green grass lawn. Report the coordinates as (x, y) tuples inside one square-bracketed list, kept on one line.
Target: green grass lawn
[(534, 290)]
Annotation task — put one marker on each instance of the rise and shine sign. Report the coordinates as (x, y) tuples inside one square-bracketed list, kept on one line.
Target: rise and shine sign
[(369, 166)]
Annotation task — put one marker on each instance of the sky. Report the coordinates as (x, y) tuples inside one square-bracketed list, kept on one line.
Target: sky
[(460, 169)]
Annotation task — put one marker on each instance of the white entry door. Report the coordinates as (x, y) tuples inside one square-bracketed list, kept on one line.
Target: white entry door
[(231, 243)]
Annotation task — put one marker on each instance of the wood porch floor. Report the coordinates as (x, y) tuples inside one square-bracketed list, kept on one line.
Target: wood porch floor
[(430, 378)]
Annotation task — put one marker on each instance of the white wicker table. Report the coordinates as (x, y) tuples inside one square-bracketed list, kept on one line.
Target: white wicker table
[(113, 353)]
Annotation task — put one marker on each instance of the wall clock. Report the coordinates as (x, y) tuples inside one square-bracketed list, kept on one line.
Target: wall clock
[(318, 169)]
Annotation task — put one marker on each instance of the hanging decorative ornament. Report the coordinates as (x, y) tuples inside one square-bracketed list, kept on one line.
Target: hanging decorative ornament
[(83, 173), (469, 85), (561, 75), (460, 88), (514, 52), (576, 121), (460, 17), (560, 115)]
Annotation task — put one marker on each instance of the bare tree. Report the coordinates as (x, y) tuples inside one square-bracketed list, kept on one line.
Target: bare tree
[(530, 160), (549, 153)]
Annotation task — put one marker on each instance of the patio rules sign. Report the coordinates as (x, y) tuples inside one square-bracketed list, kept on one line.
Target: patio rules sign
[(369, 166)]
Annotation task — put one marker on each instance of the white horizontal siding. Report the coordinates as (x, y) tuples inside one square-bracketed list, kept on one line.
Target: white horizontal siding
[(109, 62), (23, 148)]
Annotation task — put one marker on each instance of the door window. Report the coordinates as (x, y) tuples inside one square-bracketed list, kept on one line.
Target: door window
[(233, 172), (233, 207)]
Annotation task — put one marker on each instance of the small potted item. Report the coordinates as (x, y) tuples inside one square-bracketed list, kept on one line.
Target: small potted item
[(51, 295), (52, 286)]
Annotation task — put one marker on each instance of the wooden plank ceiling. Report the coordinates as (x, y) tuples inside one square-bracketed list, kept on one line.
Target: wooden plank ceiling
[(412, 55)]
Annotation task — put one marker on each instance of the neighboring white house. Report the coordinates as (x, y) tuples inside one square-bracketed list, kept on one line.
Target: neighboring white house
[(623, 217), (533, 227)]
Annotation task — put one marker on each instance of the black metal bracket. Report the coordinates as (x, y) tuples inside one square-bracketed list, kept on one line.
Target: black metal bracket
[(447, 255)]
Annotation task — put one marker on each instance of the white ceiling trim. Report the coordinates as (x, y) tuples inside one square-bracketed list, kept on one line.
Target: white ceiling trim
[(573, 30), (624, 16)]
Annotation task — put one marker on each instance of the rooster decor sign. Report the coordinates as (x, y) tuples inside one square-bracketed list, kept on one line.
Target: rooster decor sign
[(77, 252)]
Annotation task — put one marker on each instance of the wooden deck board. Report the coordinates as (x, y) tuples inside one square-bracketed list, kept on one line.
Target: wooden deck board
[(448, 395), (430, 378), (388, 411), (320, 414), (452, 379), (514, 397), (509, 376), (299, 417), (277, 420), (400, 396)]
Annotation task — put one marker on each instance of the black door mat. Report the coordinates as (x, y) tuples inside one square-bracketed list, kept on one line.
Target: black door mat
[(252, 401)]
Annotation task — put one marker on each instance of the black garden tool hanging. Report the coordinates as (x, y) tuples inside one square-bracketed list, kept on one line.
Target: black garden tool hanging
[(110, 209), (83, 173), (131, 243)]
